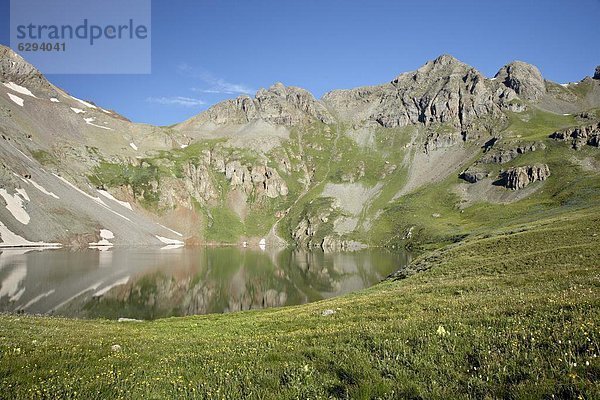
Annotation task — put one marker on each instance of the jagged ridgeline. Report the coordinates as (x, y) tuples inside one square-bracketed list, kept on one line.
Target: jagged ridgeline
[(429, 157)]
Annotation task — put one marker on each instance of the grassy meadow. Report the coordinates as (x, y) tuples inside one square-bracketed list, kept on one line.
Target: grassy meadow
[(510, 314)]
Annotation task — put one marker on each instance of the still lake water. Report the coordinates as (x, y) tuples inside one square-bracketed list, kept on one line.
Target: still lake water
[(148, 283)]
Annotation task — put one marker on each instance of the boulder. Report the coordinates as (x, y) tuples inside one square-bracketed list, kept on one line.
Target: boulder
[(472, 175)]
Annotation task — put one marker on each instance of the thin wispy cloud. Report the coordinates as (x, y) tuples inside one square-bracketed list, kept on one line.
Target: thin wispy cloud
[(176, 101), (213, 84)]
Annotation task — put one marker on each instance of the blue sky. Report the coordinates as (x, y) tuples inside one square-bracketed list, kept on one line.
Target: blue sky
[(205, 51)]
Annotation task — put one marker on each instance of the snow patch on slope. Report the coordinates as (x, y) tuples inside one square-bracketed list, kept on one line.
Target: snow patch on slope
[(23, 194), (105, 237), (85, 103), (42, 189), (10, 239), (16, 99), (14, 204), (171, 230), (111, 197), (77, 110), (96, 199), (19, 89), (66, 182), (90, 121)]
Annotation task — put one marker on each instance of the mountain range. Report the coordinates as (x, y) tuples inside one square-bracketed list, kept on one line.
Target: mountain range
[(431, 156)]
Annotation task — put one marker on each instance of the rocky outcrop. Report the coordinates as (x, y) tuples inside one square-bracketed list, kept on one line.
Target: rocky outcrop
[(278, 105), (316, 223), (513, 105), (194, 181), (443, 91), (304, 233), (198, 182), (525, 79), (262, 179), (580, 136), (519, 177), (502, 156), (597, 72), (436, 141)]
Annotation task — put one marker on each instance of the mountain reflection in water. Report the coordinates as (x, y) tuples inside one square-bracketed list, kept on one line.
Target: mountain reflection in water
[(147, 283)]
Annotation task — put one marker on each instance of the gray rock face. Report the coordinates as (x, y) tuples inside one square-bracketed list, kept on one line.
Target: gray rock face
[(265, 180), (279, 105), (13, 68), (597, 72), (580, 136), (306, 233), (443, 91), (519, 177), (196, 183), (525, 79)]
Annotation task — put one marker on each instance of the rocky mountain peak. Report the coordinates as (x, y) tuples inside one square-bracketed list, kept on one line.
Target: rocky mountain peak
[(278, 105), (597, 72), (442, 91), (277, 89), (13, 68), (525, 79), (443, 66), (445, 59)]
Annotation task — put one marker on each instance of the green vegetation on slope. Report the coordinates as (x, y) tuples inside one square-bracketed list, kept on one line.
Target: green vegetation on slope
[(509, 314), (436, 212), (537, 124)]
